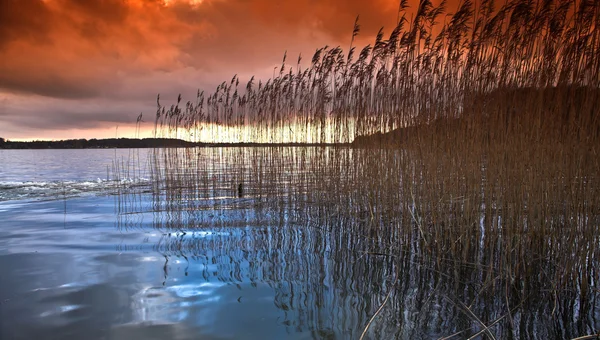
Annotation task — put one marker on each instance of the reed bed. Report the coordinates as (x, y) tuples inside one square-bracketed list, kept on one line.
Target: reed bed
[(526, 68), (478, 190), (484, 241)]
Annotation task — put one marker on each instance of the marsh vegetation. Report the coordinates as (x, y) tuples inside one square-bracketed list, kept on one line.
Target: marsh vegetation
[(480, 198), (524, 68)]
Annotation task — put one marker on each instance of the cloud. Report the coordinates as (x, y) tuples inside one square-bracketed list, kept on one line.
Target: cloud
[(121, 53), (24, 20), (43, 113)]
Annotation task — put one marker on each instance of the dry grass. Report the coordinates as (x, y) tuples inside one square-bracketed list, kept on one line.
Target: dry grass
[(527, 68), (496, 240), (493, 201)]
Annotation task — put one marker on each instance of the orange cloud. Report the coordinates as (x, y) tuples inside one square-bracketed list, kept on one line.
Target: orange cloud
[(81, 60)]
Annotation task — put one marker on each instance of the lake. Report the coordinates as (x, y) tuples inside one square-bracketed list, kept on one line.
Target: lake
[(268, 243)]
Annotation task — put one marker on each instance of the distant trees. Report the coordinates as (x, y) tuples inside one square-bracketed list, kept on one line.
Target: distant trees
[(97, 143)]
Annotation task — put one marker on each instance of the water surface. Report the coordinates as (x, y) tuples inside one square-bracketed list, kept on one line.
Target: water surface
[(74, 266), (252, 243)]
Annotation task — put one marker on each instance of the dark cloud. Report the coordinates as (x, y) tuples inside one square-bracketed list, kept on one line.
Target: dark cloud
[(24, 20), (45, 21), (94, 62), (51, 85), (61, 114)]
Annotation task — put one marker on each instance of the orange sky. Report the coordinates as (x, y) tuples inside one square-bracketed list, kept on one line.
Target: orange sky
[(80, 68)]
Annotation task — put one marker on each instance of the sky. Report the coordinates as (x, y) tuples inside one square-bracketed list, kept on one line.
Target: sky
[(88, 68)]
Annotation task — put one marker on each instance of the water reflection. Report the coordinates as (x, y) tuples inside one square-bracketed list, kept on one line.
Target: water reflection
[(324, 243), (240, 273), (324, 236)]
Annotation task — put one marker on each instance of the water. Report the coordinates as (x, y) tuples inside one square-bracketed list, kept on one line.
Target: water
[(74, 266), (165, 245), (74, 274), (35, 174)]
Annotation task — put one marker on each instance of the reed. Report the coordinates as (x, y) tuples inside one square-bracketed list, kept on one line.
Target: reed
[(482, 181), (527, 68), (493, 241)]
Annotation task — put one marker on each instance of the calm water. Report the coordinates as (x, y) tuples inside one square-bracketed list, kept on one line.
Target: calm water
[(74, 266), (92, 248)]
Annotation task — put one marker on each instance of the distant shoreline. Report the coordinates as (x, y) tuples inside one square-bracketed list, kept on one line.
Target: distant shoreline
[(134, 143)]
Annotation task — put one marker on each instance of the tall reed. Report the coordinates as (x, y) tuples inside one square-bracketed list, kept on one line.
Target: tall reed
[(484, 173), (491, 239), (528, 67)]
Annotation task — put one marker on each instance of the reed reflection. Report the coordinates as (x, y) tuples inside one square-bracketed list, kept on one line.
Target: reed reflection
[(380, 243)]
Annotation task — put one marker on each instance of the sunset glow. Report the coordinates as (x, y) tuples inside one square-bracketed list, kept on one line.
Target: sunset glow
[(78, 69)]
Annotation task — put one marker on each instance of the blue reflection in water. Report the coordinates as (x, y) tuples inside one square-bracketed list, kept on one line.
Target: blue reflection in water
[(75, 272), (185, 257)]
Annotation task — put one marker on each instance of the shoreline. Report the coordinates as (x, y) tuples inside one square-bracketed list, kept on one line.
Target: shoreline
[(143, 143)]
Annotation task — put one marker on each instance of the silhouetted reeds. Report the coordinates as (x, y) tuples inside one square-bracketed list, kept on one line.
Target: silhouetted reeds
[(484, 181), (526, 68)]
